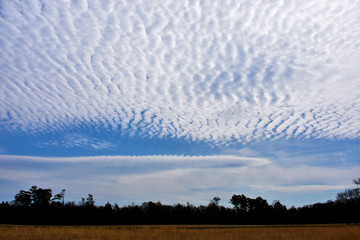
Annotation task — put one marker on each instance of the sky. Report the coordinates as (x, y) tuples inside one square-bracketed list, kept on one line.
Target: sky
[(180, 101)]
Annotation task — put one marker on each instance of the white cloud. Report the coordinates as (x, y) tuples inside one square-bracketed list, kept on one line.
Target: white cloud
[(246, 70), (196, 161)]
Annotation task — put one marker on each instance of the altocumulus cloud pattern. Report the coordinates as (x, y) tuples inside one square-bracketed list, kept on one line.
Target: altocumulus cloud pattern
[(202, 70)]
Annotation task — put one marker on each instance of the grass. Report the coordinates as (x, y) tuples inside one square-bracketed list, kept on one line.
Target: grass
[(182, 232)]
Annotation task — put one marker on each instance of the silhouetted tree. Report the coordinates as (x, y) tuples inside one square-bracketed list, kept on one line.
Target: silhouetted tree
[(23, 198), (258, 204), (350, 194), (108, 206), (215, 201), (90, 201), (59, 197), (240, 202), (279, 212), (351, 199), (40, 197), (35, 197), (278, 206), (116, 207)]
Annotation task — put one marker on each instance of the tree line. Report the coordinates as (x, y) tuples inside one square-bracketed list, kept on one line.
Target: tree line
[(39, 206)]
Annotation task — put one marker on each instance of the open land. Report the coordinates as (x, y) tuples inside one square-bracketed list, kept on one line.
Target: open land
[(181, 232)]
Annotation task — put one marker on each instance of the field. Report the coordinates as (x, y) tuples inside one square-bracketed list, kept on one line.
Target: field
[(286, 232)]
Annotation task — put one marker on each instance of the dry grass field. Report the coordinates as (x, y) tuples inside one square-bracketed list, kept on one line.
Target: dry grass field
[(308, 232)]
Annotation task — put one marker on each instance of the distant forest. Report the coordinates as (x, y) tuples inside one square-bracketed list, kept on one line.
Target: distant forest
[(39, 206)]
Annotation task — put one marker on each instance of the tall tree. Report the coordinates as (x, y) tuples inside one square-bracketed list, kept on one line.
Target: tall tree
[(240, 202), (40, 197), (34, 197), (23, 198)]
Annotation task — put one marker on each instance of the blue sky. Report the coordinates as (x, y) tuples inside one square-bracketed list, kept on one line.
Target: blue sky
[(180, 101)]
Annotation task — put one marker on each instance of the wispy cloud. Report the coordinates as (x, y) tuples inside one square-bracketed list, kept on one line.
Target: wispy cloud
[(23, 176), (303, 188), (246, 70), (77, 140)]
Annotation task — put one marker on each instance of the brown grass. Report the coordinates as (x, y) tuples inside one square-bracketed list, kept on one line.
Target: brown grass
[(308, 232)]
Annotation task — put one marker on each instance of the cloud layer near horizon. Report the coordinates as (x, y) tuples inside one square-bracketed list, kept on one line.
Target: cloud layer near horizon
[(204, 70), (172, 179)]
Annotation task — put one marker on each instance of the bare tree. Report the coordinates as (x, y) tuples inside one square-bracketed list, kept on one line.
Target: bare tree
[(350, 194)]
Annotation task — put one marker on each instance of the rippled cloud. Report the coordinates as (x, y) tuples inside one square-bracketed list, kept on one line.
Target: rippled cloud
[(203, 70)]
